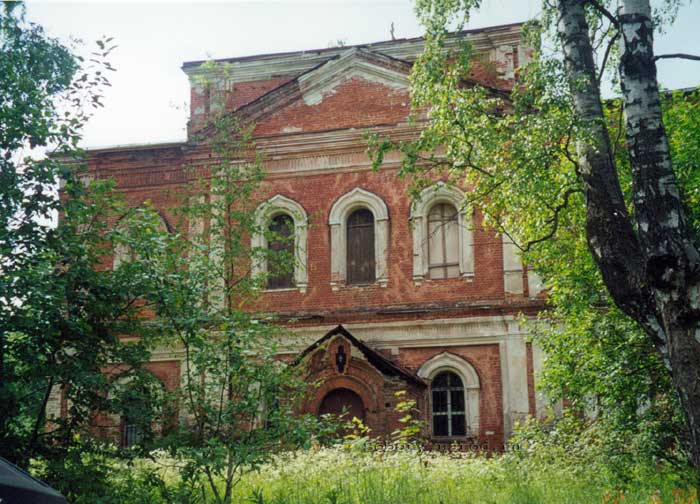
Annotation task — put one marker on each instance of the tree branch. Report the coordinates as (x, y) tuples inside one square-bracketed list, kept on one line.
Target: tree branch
[(607, 53), (605, 12), (677, 55)]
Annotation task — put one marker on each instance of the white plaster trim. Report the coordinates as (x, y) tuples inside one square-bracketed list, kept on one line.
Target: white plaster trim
[(512, 267), (430, 196), (270, 65), (425, 333), (319, 83), (450, 362), (278, 205), (341, 210), (447, 361)]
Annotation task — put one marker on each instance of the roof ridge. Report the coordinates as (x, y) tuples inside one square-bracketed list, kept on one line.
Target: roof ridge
[(485, 29)]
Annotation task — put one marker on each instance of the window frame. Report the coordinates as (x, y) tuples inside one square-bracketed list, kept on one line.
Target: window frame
[(436, 194), (448, 411), (337, 220), (471, 384), (264, 214), (288, 275), (349, 226), (444, 265)]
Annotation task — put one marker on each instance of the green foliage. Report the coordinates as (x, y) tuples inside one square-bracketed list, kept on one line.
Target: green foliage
[(547, 470), (515, 152), (238, 400), (411, 427), (61, 310)]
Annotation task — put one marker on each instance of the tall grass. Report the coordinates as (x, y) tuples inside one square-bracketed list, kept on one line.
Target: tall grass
[(348, 475), (361, 473)]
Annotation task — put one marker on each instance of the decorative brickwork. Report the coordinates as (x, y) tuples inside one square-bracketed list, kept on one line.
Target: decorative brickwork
[(311, 110)]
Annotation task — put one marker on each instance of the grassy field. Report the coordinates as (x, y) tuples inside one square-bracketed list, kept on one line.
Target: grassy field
[(349, 476), (355, 473)]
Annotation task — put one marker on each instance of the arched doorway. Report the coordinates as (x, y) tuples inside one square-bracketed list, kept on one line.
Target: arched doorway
[(342, 400)]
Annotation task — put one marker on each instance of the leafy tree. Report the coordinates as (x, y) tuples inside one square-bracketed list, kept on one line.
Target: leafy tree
[(601, 210), (61, 310), (238, 399)]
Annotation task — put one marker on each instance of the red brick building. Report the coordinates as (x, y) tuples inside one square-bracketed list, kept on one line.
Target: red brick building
[(391, 294)]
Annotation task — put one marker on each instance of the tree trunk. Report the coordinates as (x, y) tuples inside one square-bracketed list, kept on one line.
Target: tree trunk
[(671, 259), (652, 272), (609, 231)]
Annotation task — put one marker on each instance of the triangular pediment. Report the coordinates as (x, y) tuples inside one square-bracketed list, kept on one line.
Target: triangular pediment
[(355, 63), (360, 83), (372, 357)]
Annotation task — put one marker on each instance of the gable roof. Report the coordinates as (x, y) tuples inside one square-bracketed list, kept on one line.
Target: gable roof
[(381, 363), (311, 84)]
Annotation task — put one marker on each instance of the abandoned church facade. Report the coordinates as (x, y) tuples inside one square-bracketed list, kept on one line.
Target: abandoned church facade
[(389, 293)]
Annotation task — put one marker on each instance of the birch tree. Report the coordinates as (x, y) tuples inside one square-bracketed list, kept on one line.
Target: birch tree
[(543, 159)]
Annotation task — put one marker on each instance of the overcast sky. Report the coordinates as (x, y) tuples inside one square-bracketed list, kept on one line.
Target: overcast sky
[(148, 98)]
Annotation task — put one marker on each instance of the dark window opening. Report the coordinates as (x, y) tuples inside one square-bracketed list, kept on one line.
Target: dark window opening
[(449, 412), (132, 434), (360, 247), (280, 262)]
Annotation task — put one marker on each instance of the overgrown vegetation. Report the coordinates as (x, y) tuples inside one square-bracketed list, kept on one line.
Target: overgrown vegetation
[(60, 311), (554, 468), (526, 157)]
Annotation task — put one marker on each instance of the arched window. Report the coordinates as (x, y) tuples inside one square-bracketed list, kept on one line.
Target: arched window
[(281, 248), (282, 227), (448, 408), (123, 254), (443, 245), (131, 433), (359, 225), (443, 241), (360, 247), (139, 398), (454, 395)]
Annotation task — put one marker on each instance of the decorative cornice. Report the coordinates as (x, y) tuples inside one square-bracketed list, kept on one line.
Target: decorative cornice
[(266, 66)]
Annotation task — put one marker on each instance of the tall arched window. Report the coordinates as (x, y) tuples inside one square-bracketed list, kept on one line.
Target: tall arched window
[(283, 221), (360, 247), (281, 248), (443, 241), (123, 254), (369, 217), (449, 412), (443, 245)]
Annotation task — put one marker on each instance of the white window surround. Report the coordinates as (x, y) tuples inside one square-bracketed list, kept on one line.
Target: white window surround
[(338, 219), (266, 211), (512, 267), (122, 253), (430, 196), (450, 362)]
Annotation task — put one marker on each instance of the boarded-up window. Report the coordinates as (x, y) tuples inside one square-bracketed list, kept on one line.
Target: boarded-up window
[(443, 242), (281, 259), (360, 247), (449, 418)]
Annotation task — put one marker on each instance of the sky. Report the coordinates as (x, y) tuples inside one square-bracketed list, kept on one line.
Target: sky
[(147, 102)]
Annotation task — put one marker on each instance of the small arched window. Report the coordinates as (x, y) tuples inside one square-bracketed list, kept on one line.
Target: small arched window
[(443, 241), (360, 247), (281, 248), (448, 405)]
